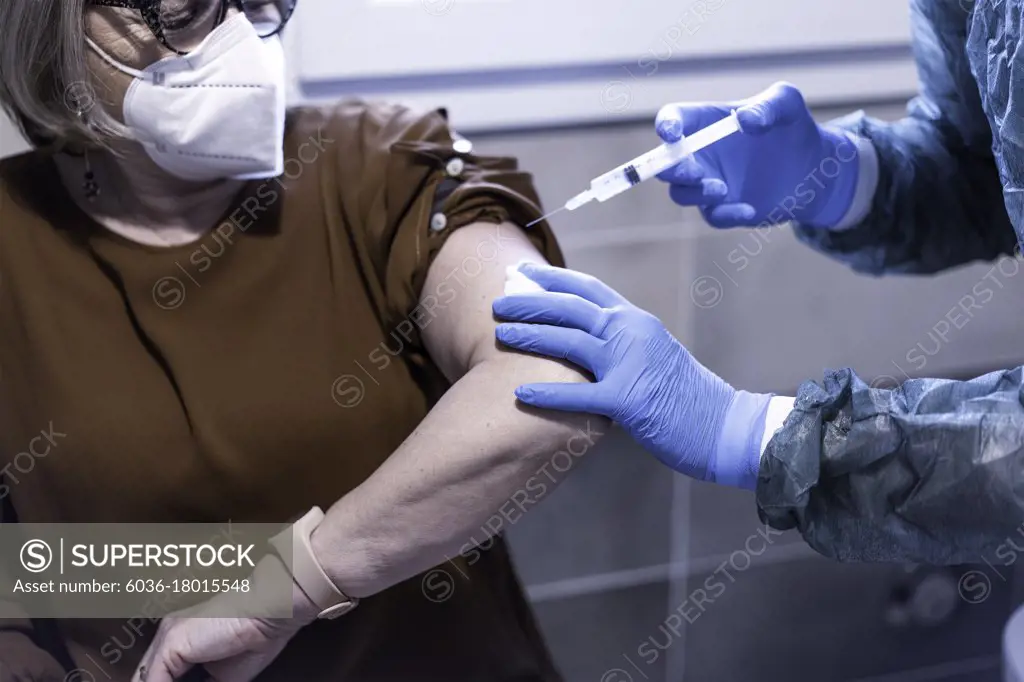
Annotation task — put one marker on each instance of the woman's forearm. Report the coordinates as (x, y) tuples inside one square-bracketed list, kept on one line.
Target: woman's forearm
[(473, 467)]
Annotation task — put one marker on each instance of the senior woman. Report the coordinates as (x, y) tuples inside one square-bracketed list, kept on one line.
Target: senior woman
[(230, 310)]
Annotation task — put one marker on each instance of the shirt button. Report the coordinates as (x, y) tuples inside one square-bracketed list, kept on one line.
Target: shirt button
[(438, 222), (462, 146), (455, 167)]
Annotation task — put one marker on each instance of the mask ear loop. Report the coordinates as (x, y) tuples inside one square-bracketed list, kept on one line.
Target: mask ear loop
[(91, 186), (134, 73)]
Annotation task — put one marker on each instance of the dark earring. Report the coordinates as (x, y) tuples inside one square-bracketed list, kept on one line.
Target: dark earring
[(89, 184)]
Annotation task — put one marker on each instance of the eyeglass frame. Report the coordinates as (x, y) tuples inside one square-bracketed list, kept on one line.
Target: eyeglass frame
[(150, 11)]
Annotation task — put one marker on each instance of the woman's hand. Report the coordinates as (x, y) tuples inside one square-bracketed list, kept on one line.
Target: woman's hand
[(646, 380), (22, 661), (229, 649)]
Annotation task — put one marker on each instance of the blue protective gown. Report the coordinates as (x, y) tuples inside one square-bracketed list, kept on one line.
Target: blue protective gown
[(933, 471)]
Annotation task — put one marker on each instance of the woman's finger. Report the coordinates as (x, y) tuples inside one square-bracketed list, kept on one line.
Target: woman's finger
[(562, 310), (144, 673), (155, 669), (574, 345), (161, 663)]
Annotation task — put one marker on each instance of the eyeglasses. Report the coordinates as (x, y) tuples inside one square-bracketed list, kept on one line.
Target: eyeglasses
[(182, 25)]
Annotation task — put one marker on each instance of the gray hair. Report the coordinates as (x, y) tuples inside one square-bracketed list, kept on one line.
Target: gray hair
[(45, 84)]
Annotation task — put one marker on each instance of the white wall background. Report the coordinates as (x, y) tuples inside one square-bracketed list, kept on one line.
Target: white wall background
[(499, 64)]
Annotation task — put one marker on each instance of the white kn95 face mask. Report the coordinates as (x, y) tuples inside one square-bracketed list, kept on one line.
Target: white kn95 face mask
[(216, 112)]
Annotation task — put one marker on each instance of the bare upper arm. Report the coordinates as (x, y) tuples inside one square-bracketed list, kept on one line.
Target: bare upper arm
[(464, 279)]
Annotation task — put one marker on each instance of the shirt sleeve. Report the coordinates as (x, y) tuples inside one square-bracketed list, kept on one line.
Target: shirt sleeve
[(409, 181), (928, 472)]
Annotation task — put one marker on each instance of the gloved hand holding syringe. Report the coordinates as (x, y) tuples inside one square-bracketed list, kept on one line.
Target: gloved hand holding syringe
[(647, 166)]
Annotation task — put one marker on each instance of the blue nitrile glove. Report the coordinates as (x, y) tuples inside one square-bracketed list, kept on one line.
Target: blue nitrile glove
[(646, 381), (782, 167)]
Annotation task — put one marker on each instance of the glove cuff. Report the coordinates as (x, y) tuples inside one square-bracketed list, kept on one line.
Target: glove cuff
[(835, 177), (738, 451)]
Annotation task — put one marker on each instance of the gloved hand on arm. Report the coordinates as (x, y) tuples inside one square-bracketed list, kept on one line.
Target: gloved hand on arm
[(680, 411), (782, 167)]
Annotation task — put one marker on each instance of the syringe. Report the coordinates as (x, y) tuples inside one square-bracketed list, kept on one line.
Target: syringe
[(646, 166)]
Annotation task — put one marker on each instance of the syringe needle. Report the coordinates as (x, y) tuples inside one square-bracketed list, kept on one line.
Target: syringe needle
[(545, 217)]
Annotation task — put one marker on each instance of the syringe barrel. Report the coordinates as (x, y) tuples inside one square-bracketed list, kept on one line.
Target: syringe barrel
[(661, 158), (643, 167)]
